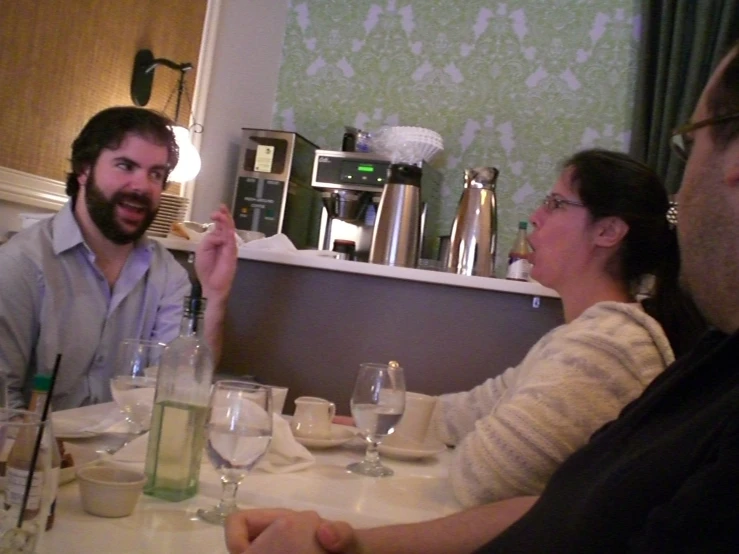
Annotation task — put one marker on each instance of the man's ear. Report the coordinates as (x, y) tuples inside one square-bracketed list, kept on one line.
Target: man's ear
[(610, 231), (83, 176)]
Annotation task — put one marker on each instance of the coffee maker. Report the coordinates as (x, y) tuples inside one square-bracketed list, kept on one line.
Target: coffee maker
[(273, 192), (351, 185)]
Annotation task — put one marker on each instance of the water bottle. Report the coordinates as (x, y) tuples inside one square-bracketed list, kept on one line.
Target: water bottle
[(181, 404)]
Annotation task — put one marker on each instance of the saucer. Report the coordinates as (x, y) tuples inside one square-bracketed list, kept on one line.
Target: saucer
[(339, 435), (412, 451)]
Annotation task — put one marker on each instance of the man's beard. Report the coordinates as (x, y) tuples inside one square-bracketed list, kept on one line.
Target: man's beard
[(102, 212)]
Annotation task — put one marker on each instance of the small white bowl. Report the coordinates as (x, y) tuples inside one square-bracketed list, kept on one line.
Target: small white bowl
[(108, 491)]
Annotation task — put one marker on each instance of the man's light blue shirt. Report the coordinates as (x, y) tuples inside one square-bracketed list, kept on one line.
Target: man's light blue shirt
[(55, 300)]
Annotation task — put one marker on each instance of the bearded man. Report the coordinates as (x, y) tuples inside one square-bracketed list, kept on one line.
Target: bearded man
[(79, 283)]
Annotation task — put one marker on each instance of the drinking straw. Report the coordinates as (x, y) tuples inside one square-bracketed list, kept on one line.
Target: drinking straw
[(37, 446)]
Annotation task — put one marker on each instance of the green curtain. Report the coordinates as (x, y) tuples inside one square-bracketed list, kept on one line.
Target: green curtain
[(681, 41)]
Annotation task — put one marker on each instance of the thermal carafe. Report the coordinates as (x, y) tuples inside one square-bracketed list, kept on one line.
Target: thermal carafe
[(473, 239), (397, 232)]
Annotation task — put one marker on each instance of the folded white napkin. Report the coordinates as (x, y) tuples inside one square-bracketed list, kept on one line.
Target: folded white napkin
[(285, 454), (278, 242), (134, 451)]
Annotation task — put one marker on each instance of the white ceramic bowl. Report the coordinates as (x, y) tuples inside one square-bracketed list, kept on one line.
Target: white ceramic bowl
[(108, 491)]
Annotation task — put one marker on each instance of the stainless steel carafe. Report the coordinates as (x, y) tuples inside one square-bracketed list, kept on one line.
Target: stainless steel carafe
[(397, 232), (473, 240)]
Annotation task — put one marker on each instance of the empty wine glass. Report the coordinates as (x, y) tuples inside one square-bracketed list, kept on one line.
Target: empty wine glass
[(239, 431), (377, 405), (135, 380)]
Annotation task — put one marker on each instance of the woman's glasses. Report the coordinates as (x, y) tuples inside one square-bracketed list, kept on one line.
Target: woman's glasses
[(553, 202)]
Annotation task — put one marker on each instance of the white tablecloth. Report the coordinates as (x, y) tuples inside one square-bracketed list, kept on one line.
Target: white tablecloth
[(419, 490)]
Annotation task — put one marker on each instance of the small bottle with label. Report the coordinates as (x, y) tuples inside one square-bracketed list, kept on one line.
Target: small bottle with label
[(519, 264), (21, 455), (41, 385)]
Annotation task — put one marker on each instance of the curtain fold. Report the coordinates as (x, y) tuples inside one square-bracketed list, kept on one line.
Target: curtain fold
[(680, 43)]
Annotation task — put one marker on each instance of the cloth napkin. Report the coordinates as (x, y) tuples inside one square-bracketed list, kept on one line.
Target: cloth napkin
[(285, 454), (278, 242)]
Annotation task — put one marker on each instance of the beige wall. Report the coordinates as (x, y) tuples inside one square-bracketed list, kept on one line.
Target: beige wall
[(9, 216), (241, 92)]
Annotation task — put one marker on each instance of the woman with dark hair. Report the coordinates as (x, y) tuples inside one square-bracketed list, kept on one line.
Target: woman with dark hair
[(597, 236)]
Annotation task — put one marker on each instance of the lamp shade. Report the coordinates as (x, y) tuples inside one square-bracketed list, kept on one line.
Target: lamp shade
[(188, 166)]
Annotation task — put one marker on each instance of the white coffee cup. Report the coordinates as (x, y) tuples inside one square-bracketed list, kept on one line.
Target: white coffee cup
[(413, 426), (312, 418)]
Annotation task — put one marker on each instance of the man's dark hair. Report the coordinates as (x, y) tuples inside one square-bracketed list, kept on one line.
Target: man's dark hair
[(108, 129), (723, 99)]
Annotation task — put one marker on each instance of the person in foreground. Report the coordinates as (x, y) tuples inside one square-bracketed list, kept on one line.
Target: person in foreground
[(82, 281), (662, 476), (596, 237)]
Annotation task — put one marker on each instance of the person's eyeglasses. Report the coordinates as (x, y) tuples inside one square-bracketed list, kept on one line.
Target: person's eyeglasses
[(682, 142), (552, 202)]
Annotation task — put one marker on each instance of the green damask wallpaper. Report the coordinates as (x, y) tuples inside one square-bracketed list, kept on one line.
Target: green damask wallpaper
[(519, 85)]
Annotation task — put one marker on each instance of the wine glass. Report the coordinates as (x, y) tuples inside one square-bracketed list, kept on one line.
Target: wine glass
[(134, 382), (377, 405), (239, 431)]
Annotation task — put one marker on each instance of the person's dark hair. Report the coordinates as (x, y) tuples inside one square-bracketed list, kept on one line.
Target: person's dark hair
[(614, 184), (723, 99), (108, 128)]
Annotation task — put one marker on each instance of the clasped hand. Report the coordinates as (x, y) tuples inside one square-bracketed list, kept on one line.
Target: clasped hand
[(277, 531)]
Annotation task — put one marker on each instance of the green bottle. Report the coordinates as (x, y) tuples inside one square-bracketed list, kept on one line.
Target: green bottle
[(181, 405)]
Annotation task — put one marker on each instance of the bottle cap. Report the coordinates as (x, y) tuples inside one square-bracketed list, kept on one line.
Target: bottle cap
[(42, 382), (523, 225)]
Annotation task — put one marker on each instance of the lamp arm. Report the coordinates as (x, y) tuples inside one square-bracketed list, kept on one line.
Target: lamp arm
[(185, 66)]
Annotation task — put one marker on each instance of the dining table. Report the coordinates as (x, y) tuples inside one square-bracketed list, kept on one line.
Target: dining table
[(419, 490)]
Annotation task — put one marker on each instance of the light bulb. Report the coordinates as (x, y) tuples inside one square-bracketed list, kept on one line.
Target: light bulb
[(188, 165)]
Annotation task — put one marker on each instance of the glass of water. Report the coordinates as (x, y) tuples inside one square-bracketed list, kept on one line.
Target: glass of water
[(135, 381), (377, 404), (239, 431)]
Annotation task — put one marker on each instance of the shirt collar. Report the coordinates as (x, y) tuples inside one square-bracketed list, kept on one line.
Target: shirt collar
[(67, 233)]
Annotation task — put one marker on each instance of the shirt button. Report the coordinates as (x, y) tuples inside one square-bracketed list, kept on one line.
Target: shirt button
[(100, 359)]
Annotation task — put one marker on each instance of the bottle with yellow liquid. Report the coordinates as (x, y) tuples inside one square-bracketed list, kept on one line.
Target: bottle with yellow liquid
[(181, 406), (519, 258)]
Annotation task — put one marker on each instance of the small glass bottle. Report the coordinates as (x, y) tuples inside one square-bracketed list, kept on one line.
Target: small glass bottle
[(181, 405), (519, 264), (46, 469), (41, 386)]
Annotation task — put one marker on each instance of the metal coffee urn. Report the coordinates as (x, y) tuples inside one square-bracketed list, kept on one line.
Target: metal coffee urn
[(473, 240), (397, 231)]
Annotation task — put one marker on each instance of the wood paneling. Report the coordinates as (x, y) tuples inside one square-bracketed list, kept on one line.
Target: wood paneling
[(61, 61)]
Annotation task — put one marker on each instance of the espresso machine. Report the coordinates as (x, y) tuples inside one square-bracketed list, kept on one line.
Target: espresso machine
[(273, 192), (351, 185)]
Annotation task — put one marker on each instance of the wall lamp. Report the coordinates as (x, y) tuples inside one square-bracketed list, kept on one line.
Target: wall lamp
[(142, 82)]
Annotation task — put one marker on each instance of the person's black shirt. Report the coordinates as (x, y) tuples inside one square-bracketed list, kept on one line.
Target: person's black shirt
[(662, 478)]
